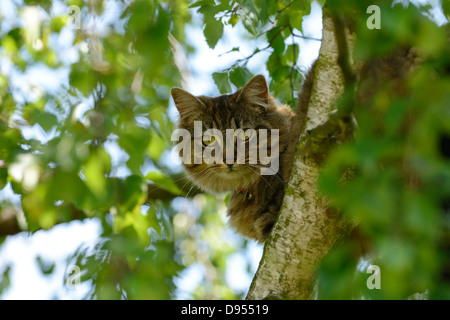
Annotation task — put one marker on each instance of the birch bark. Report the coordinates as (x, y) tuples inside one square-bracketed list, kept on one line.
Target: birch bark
[(305, 229)]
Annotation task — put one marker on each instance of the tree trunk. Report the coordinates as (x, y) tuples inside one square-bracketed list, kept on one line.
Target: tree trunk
[(305, 229)]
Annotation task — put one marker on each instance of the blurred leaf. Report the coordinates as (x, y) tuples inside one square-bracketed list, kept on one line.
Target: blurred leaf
[(95, 170), (44, 4), (446, 8), (292, 53), (5, 279), (132, 193), (277, 42), (164, 182), (45, 119), (134, 140), (202, 3), (233, 19), (83, 78), (278, 68), (265, 9), (3, 177), (45, 266), (156, 146)]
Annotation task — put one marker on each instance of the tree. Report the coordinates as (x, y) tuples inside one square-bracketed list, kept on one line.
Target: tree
[(317, 213), (373, 158)]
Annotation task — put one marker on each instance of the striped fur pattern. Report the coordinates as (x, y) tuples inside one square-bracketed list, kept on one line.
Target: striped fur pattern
[(255, 199)]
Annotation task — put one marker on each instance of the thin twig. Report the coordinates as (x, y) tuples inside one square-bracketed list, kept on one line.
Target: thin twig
[(279, 12), (306, 37), (294, 65), (257, 50)]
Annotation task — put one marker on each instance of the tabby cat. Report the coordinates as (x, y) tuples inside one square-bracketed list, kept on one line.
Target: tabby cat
[(256, 198)]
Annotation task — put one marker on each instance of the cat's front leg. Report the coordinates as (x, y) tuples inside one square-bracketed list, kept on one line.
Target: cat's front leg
[(253, 213)]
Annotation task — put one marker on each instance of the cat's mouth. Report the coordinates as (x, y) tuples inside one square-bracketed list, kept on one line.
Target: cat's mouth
[(232, 168), (237, 171), (223, 178)]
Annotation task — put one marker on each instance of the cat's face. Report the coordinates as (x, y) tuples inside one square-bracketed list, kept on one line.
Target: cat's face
[(248, 108)]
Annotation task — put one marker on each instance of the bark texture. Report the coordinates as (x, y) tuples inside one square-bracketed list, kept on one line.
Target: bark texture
[(305, 229)]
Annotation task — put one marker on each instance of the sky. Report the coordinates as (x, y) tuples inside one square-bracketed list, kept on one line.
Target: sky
[(56, 245)]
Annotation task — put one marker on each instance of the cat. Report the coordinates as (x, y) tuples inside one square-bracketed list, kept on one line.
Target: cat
[(255, 198)]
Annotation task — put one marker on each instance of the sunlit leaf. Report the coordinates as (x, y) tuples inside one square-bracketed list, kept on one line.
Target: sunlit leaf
[(213, 31), (240, 76), (163, 182), (222, 82)]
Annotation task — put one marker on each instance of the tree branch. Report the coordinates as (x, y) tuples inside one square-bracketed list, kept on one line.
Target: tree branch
[(8, 216), (340, 125), (306, 229)]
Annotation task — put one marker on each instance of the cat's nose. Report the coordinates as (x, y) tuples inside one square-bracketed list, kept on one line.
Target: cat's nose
[(230, 165)]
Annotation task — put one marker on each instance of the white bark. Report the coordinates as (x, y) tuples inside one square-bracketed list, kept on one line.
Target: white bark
[(305, 230)]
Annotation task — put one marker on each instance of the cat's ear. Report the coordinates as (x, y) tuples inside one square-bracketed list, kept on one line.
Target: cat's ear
[(256, 92), (187, 104)]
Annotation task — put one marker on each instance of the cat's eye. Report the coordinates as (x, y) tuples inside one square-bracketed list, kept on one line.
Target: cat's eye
[(207, 140)]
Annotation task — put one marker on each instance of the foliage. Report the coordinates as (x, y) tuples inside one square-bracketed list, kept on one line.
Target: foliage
[(394, 177), (101, 140)]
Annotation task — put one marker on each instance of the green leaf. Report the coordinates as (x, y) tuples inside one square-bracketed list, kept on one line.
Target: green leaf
[(156, 146), (3, 177), (95, 170), (222, 82), (83, 78), (277, 42), (292, 53), (213, 31), (202, 3), (46, 120), (446, 8), (233, 19), (295, 18), (58, 23), (5, 279), (239, 76), (277, 67), (46, 266), (133, 192), (265, 9), (134, 140), (45, 4), (163, 182), (227, 199)]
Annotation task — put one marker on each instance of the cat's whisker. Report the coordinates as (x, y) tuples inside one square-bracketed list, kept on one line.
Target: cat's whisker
[(200, 176), (263, 178), (276, 174), (243, 111)]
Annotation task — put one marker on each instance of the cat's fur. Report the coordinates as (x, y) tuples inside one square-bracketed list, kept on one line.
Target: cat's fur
[(256, 198)]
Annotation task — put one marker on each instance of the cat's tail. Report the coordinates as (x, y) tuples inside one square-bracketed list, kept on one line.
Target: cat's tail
[(300, 118), (303, 102)]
